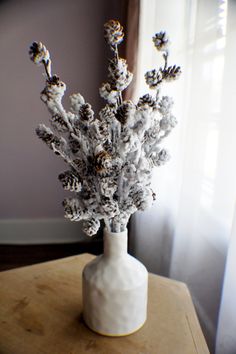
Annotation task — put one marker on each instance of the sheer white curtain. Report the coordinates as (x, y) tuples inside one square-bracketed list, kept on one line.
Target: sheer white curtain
[(186, 235)]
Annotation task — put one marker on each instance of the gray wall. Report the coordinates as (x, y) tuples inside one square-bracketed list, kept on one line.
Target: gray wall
[(73, 32)]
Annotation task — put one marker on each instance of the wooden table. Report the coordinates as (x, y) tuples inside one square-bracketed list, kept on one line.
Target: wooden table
[(40, 313)]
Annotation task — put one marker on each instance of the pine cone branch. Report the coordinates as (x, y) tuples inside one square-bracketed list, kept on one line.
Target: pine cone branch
[(76, 101), (110, 156)]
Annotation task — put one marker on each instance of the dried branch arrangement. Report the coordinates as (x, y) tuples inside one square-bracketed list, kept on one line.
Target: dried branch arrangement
[(111, 156)]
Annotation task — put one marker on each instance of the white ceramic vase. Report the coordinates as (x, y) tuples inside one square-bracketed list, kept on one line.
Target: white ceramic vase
[(115, 289)]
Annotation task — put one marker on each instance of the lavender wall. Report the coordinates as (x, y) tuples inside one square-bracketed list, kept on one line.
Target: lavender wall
[(73, 31)]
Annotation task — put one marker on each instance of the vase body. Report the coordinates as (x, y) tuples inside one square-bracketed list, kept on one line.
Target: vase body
[(115, 289)]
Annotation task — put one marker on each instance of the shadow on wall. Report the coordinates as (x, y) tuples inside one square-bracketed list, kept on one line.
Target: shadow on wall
[(189, 257), (207, 298), (151, 239)]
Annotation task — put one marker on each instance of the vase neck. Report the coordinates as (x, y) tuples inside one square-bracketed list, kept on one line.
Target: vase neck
[(115, 243)]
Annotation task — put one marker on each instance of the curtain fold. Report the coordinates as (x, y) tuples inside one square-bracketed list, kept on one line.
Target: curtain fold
[(131, 42), (186, 234), (225, 340)]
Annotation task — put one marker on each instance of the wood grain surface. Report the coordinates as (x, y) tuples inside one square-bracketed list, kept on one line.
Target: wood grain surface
[(41, 313)]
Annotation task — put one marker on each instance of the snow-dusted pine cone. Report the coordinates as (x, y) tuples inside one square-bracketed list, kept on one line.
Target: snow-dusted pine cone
[(102, 161), (124, 111), (142, 197), (46, 134), (107, 114), (109, 94), (73, 210), (109, 206), (107, 187), (74, 144), (119, 76), (160, 158), (86, 113), (113, 32), (58, 123), (70, 181), (39, 53), (54, 88), (165, 105), (147, 100), (167, 123), (171, 73), (163, 157), (80, 165), (153, 78), (102, 129), (91, 226), (161, 41)]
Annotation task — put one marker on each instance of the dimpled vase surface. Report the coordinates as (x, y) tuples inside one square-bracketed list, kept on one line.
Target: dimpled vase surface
[(115, 289)]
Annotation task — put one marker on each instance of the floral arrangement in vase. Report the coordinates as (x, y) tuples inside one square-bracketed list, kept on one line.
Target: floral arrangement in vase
[(110, 155)]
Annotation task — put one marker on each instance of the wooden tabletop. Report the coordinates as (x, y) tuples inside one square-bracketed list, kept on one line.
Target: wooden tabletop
[(41, 307)]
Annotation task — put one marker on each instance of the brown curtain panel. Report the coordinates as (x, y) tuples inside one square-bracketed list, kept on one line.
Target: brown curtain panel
[(131, 28)]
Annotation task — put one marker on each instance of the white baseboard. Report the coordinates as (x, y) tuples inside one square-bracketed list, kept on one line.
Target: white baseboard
[(40, 231)]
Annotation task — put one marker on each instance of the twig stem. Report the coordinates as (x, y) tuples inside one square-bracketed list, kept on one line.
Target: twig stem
[(120, 100), (46, 69)]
